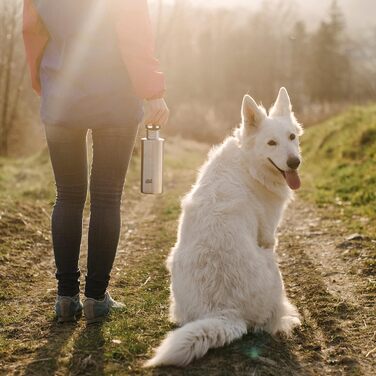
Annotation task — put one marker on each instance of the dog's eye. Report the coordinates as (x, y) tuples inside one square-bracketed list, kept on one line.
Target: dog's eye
[(292, 136), (272, 143)]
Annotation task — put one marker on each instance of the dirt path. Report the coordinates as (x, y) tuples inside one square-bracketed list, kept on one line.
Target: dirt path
[(332, 284), (329, 278), (41, 346)]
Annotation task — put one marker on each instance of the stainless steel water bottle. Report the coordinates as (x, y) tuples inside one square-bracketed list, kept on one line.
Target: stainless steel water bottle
[(152, 161)]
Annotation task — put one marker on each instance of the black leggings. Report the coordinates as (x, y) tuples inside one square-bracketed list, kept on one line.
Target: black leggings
[(112, 150)]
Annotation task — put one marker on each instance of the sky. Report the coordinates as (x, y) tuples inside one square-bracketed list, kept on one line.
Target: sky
[(359, 13)]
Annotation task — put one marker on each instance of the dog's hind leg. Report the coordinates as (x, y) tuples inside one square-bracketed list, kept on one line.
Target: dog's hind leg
[(173, 314), (284, 318), (176, 315)]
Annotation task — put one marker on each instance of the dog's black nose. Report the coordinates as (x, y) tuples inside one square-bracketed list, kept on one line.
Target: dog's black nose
[(293, 162)]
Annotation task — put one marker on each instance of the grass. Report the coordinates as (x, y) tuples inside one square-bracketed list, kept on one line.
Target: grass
[(26, 192), (35, 344), (26, 196), (339, 170), (29, 178), (29, 337)]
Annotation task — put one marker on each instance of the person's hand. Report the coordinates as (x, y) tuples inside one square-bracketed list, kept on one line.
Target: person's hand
[(156, 112)]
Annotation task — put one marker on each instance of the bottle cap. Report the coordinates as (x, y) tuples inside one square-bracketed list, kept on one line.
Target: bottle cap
[(152, 127), (152, 132)]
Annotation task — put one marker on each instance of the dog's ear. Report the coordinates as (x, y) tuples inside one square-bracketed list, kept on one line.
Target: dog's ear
[(282, 105), (252, 114)]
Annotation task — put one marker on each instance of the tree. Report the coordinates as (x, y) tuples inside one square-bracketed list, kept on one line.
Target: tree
[(10, 78), (297, 67), (330, 70)]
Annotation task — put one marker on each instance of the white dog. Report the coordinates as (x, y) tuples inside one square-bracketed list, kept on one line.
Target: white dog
[(225, 277)]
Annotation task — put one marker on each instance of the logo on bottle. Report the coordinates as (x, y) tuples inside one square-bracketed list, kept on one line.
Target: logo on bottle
[(149, 181)]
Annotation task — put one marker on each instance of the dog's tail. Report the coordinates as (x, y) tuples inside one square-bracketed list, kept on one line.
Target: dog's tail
[(193, 340)]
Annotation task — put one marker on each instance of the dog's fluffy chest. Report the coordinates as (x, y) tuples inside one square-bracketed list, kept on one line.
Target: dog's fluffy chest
[(264, 213), (228, 198)]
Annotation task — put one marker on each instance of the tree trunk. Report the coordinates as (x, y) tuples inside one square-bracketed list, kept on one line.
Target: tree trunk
[(10, 28)]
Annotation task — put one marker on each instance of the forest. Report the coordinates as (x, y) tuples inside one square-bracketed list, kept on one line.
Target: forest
[(211, 58)]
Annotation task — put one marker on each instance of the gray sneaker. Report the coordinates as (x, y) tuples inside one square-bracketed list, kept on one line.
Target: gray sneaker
[(68, 308), (97, 310)]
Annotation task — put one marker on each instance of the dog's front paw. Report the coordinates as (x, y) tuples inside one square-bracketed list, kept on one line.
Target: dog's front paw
[(267, 249), (266, 246), (270, 243)]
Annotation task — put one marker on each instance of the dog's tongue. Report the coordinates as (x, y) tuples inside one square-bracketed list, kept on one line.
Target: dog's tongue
[(292, 179)]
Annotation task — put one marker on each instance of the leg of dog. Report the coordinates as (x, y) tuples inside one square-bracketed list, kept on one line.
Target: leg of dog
[(174, 315), (284, 318), (266, 237)]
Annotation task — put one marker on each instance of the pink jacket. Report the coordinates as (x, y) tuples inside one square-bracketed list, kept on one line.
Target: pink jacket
[(135, 38)]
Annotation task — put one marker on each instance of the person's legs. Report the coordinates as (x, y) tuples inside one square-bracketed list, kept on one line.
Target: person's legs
[(68, 155), (112, 150)]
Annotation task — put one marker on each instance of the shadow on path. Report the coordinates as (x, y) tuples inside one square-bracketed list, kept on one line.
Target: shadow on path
[(255, 354), (329, 314), (87, 353), (45, 361)]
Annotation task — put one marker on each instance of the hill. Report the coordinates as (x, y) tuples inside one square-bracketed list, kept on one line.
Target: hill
[(340, 166)]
